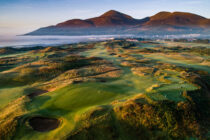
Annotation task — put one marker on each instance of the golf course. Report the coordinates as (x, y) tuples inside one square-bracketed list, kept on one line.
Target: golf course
[(117, 89)]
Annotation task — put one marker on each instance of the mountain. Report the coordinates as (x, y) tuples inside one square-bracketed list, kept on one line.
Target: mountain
[(76, 23), (113, 18), (114, 22), (177, 19), (109, 19)]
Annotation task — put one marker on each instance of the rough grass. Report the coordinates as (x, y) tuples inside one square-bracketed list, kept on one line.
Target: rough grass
[(10, 116), (94, 92), (9, 94), (135, 118)]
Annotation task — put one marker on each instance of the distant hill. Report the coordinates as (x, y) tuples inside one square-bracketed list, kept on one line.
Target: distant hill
[(114, 22), (177, 19), (109, 19)]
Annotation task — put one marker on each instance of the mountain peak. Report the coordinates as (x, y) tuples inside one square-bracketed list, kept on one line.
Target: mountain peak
[(114, 13), (111, 12), (161, 15), (181, 19), (165, 14)]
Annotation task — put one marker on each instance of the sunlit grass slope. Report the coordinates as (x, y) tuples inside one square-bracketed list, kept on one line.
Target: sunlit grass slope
[(115, 90)]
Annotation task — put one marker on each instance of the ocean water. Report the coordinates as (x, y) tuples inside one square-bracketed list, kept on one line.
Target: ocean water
[(29, 41)]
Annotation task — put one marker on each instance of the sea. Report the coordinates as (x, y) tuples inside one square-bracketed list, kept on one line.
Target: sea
[(31, 41)]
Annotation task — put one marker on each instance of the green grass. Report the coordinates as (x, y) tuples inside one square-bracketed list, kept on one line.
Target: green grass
[(79, 96), (177, 62), (172, 44), (75, 99), (70, 102), (8, 94)]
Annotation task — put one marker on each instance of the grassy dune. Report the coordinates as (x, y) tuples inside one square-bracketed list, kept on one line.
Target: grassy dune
[(105, 90)]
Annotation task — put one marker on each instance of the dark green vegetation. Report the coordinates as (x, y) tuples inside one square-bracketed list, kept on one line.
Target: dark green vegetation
[(193, 41), (117, 90)]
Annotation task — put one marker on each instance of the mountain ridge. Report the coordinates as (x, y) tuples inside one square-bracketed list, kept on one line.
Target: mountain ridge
[(177, 18), (111, 21)]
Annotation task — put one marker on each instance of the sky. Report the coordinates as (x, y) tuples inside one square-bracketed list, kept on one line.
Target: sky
[(22, 16)]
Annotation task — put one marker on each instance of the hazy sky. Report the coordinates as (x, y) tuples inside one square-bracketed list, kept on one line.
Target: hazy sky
[(21, 16)]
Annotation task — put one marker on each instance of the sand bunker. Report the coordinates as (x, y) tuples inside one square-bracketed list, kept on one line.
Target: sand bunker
[(43, 124)]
